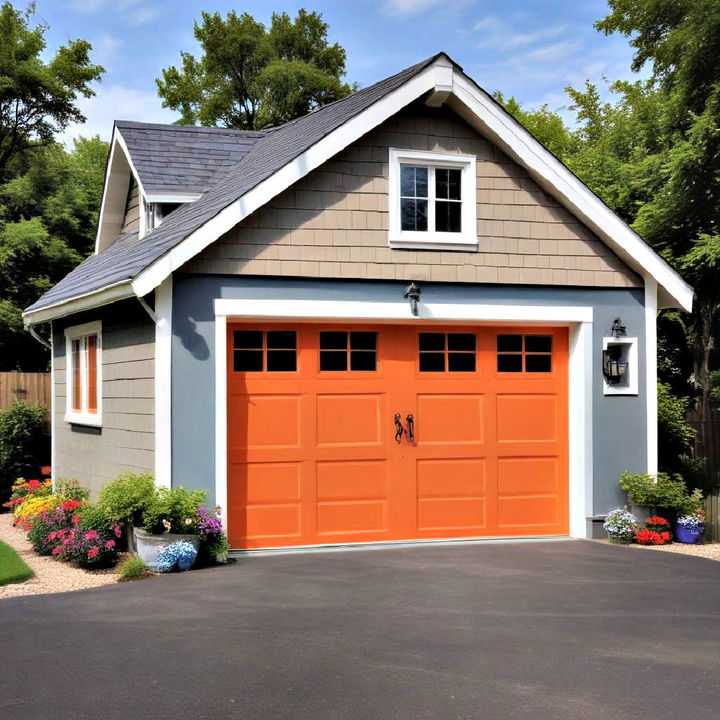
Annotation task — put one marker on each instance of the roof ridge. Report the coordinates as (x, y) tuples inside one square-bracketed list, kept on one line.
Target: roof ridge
[(189, 128)]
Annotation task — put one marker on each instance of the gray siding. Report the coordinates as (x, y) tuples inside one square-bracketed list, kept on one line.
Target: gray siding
[(619, 422), (132, 208), (127, 436)]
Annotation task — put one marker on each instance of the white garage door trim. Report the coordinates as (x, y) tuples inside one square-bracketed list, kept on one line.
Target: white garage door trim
[(283, 305)]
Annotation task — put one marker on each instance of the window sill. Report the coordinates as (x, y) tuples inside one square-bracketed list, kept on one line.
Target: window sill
[(93, 420), (436, 241)]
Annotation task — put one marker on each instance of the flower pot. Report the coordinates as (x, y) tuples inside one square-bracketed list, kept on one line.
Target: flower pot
[(148, 546), (641, 512), (616, 539), (688, 535)]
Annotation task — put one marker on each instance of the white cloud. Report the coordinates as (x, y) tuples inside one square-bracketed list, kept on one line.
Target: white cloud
[(408, 7), (117, 102), (134, 12)]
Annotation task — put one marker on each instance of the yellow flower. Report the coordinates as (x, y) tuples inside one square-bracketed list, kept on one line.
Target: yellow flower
[(33, 506)]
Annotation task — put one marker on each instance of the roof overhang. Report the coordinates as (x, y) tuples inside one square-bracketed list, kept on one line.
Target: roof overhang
[(441, 82)]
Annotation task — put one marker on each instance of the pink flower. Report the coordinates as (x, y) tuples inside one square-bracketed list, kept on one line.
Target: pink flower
[(110, 544), (75, 519), (60, 534), (93, 552), (56, 551), (52, 535), (118, 531), (91, 535)]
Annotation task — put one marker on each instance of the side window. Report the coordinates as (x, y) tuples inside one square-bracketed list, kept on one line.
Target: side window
[(83, 374), (342, 351), (264, 351), (524, 353), (447, 352)]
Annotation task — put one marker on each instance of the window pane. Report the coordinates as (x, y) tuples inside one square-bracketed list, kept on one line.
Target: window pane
[(461, 362), (408, 219), (538, 343), (461, 341), (333, 360), (247, 339), (432, 362), (363, 340), (362, 360), (407, 181), (281, 361), (441, 183), (447, 216), (281, 340), (92, 380), (421, 213), (432, 341), (248, 360), (421, 182), (454, 184), (509, 343), (509, 363), (76, 376), (538, 363), (333, 340)]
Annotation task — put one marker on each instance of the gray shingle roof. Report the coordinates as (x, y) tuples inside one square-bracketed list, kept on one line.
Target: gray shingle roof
[(130, 255), (183, 158)]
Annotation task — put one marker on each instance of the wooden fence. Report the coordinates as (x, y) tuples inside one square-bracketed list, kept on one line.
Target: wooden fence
[(28, 387), (712, 520)]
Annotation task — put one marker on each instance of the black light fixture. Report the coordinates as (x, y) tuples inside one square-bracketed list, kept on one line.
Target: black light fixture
[(614, 365), (618, 329), (412, 293)]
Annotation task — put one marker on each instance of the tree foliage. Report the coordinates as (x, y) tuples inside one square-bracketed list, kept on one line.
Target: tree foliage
[(37, 96), (250, 76)]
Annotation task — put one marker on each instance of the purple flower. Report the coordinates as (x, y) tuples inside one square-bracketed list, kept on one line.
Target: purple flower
[(209, 524)]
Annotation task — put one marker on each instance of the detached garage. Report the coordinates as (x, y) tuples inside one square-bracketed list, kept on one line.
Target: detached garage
[(398, 318)]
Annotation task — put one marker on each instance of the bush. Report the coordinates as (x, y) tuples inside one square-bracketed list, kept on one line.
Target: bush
[(134, 568), (675, 434), (24, 443), (34, 506), (661, 491), (69, 489), (173, 510), (125, 499), (22, 489)]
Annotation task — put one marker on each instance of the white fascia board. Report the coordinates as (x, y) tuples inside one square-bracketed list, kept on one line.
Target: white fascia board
[(265, 191), (171, 196), (481, 111), (107, 295)]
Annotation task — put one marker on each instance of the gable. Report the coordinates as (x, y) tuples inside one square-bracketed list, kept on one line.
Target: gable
[(131, 220), (334, 222)]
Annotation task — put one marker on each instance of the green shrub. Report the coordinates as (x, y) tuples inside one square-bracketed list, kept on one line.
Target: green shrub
[(69, 489), (124, 499), (24, 444), (134, 568), (660, 491), (173, 510), (93, 517), (675, 434)]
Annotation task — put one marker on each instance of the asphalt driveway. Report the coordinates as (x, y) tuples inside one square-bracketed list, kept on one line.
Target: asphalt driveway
[(541, 630)]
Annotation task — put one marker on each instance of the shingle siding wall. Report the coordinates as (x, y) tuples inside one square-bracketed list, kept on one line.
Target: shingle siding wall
[(126, 439), (334, 222), (132, 208)]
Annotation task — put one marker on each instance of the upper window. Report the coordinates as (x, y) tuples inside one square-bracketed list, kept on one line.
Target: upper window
[(342, 351), (432, 200), (84, 374), (524, 353), (258, 351)]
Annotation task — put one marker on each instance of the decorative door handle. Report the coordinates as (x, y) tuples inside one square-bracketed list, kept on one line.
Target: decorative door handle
[(410, 432), (399, 430)]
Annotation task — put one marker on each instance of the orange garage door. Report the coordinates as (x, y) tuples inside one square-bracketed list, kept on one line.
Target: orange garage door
[(342, 434)]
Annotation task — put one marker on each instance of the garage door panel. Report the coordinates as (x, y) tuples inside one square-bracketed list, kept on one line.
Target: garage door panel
[(525, 418), (451, 514), (262, 421), (528, 476), (273, 521), (345, 518), (450, 418), (349, 419), (352, 480), (529, 511), (450, 478)]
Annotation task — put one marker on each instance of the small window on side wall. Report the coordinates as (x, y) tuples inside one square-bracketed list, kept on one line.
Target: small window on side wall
[(83, 357), (432, 200)]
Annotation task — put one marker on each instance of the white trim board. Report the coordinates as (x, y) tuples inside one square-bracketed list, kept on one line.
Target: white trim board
[(580, 379), (163, 383)]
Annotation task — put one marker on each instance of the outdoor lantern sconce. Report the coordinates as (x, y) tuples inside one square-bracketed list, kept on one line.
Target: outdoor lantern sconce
[(413, 294), (618, 329), (614, 367)]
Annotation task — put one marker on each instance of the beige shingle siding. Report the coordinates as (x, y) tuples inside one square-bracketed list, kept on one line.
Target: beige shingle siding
[(127, 437), (334, 222), (132, 208)]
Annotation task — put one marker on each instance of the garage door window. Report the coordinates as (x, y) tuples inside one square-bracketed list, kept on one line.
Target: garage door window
[(340, 351), (528, 353), (258, 351), (447, 352)]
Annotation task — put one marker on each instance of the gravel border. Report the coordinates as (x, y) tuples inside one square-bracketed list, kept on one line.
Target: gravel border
[(51, 575), (711, 551)]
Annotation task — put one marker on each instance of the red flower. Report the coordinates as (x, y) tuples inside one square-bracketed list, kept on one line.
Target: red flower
[(110, 544), (646, 537), (45, 470), (657, 520), (56, 551), (93, 552), (91, 535), (33, 484), (75, 519), (70, 505)]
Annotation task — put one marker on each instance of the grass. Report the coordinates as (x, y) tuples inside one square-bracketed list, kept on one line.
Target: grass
[(12, 567)]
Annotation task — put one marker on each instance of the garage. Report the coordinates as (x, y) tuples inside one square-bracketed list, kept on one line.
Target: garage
[(357, 433)]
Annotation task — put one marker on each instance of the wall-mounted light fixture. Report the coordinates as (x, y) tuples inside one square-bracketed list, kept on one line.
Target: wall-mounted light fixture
[(614, 367), (412, 293), (620, 361), (618, 329)]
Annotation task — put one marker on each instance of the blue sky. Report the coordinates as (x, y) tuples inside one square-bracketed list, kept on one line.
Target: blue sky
[(528, 48)]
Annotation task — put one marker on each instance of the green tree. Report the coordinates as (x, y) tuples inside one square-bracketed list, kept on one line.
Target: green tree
[(48, 215), (249, 76), (37, 94)]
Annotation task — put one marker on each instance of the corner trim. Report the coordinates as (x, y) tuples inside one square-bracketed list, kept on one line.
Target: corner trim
[(651, 288), (163, 383), (221, 455)]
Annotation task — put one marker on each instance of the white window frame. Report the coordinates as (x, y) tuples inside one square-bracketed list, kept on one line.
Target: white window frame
[(467, 238), (79, 332)]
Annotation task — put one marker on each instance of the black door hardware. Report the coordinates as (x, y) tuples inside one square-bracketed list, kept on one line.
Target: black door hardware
[(399, 430), (410, 432)]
